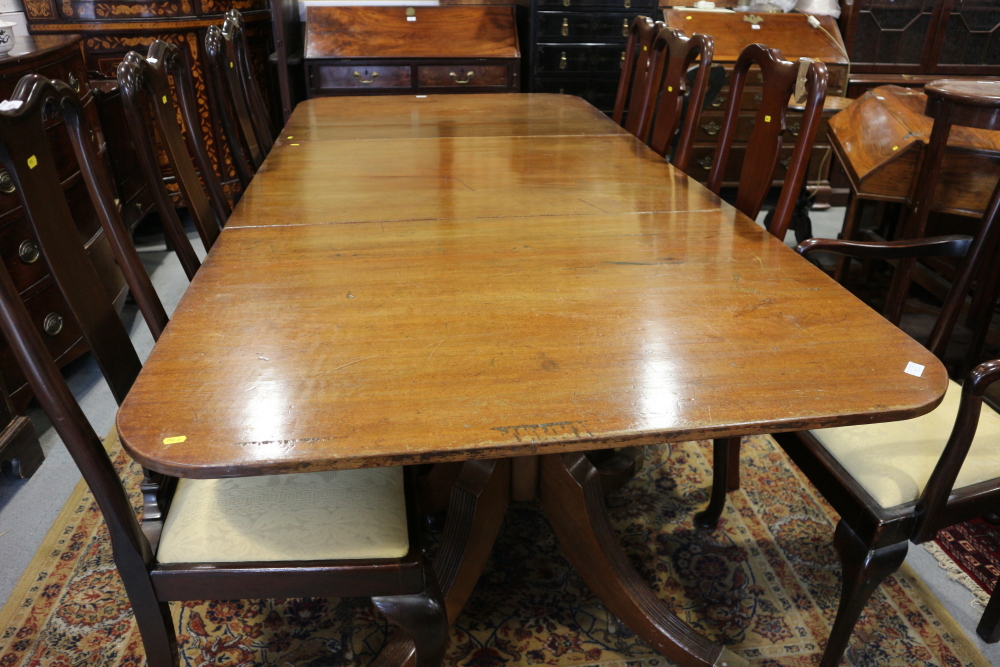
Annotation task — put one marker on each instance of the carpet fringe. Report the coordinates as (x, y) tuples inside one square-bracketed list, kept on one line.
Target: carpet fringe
[(980, 598)]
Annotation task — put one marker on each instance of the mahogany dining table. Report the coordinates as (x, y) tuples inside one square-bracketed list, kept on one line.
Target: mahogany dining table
[(501, 283)]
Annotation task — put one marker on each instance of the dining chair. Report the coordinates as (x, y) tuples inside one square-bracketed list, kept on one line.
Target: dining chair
[(634, 66), (898, 481), (667, 92), (779, 78), (989, 625), (152, 114), (314, 534)]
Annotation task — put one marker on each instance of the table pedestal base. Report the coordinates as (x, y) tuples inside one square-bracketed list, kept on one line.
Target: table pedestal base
[(571, 494)]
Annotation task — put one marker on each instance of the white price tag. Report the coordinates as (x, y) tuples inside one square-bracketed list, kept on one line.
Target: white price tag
[(914, 369)]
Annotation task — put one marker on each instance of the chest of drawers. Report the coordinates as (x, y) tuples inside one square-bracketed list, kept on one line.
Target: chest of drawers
[(411, 50), (792, 34), (578, 46)]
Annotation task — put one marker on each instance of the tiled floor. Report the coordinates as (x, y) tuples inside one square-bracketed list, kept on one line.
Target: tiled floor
[(28, 507)]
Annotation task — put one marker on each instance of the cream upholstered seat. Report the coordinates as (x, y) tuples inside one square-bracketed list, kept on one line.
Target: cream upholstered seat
[(894, 460), (338, 515)]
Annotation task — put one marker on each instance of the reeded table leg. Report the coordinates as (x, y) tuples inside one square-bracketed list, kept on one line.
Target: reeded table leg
[(573, 500), (478, 502)]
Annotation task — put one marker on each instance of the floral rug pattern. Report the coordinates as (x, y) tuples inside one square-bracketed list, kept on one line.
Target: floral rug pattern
[(766, 583)]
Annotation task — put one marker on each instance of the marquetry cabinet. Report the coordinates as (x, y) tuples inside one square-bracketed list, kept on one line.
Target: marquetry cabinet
[(112, 28), (411, 50), (578, 46), (792, 34)]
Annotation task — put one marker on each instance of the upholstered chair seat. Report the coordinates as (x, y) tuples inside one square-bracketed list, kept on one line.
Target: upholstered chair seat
[(338, 515), (894, 460)]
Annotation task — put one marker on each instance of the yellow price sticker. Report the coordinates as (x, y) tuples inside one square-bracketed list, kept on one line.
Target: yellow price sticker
[(895, 148), (164, 99), (32, 162), (670, 89), (289, 137), (767, 119), (174, 440)]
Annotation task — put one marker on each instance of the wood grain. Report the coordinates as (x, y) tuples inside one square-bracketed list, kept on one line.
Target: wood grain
[(371, 344), (463, 177), (493, 115), (385, 32)]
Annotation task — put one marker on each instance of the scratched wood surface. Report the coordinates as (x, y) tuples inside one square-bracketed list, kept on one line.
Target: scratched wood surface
[(335, 346), (406, 117), (467, 177)]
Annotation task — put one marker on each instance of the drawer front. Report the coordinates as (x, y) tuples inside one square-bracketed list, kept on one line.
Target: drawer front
[(341, 77), (702, 156), (710, 123), (578, 59), (70, 70), (459, 76), (599, 92), (596, 4), (577, 27)]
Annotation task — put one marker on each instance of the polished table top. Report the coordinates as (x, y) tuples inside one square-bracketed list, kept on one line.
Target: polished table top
[(495, 296)]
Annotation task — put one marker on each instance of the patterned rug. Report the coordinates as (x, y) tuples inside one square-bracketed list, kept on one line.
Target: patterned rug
[(971, 553), (767, 584)]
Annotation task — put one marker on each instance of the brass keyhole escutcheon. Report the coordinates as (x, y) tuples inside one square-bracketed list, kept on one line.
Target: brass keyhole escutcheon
[(784, 163), (718, 101), (565, 3), (562, 60), (705, 163), (711, 128), (625, 28), (621, 63), (6, 183), (28, 251), (357, 75), (565, 28), (628, 4), (467, 79), (52, 324), (793, 129)]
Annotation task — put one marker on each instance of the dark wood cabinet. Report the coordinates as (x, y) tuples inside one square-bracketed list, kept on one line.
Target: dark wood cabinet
[(903, 42), (407, 50), (578, 46)]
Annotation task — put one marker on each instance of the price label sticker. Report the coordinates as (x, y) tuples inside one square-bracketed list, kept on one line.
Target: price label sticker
[(174, 440), (913, 369)]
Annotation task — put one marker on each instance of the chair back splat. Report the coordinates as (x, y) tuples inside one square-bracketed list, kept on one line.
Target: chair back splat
[(635, 65), (234, 30), (763, 147), (662, 107), (149, 102)]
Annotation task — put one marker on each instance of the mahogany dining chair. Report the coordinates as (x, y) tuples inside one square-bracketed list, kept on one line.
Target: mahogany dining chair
[(899, 481), (152, 113), (667, 92), (318, 534), (635, 66), (244, 115), (764, 144)]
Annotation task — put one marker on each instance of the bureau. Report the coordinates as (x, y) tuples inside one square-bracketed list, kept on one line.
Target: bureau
[(578, 46), (792, 34), (407, 50)]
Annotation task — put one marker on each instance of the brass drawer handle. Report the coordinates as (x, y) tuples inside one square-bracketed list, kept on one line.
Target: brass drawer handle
[(53, 324), (705, 163), (784, 163), (621, 63), (562, 60), (565, 28), (6, 183), (794, 129), (760, 77), (711, 129), (357, 75), (565, 3), (74, 82), (628, 4), (625, 28), (28, 251), (718, 101), (468, 77), (758, 97)]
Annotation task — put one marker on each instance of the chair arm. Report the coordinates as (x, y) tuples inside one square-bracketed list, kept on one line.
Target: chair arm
[(937, 246), (931, 505)]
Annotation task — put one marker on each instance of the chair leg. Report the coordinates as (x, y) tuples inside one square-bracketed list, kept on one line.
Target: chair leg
[(156, 627), (723, 477), (989, 624), (863, 570), (422, 617)]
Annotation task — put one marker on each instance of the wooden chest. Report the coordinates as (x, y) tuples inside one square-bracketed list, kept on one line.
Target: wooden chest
[(792, 34), (407, 50), (578, 46)]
